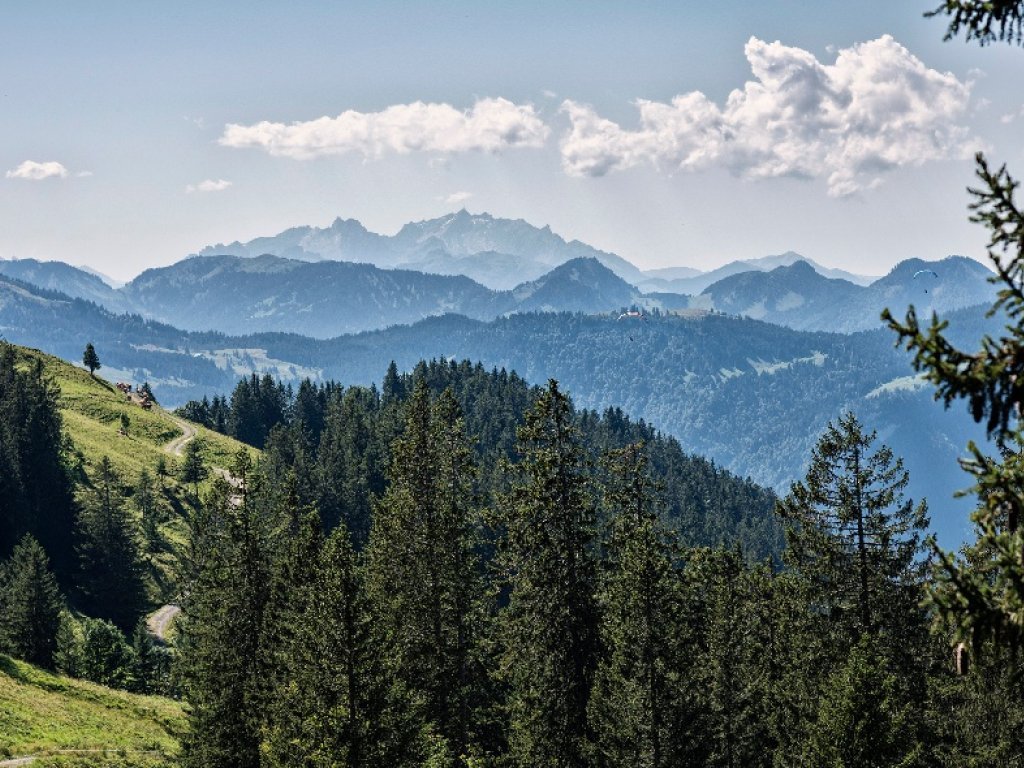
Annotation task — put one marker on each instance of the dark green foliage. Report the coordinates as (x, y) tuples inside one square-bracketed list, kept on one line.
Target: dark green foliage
[(105, 656), (67, 654), (151, 662), (856, 560), (193, 467), (90, 359), (732, 671), (35, 485), (223, 626), (110, 579), (257, 404), (860, 721), (981, 593), (978, 719), (424, 573), (340, 706), (852, 535), (644, 708), (341, 470), (147, 503), (30, 604), (550, 625), (984, 20)]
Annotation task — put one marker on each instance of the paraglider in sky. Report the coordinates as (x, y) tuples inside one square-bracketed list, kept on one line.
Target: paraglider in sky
[(632, 314), (924, 273)]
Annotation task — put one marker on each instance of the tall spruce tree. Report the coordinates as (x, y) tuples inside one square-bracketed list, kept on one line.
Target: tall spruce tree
[(855, 550), (341, 706), (30, 604), (550, 624), (222, 625), (854, 538), (643, 709), (35, 485), (423, 569), (733, 668), (147, 504), (110, 558), (861, 720)]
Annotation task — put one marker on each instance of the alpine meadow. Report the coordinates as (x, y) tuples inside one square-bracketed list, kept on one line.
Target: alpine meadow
[(538, 385)]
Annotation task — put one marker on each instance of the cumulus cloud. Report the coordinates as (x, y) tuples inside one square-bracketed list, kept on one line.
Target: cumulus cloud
[(457, 197), (1011, 116), (209, 185), (878, 107), (33, 171), (491, 125)]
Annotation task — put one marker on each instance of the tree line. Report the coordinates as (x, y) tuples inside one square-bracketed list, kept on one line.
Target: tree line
[(563, 621), (337, 441), (74, 544)]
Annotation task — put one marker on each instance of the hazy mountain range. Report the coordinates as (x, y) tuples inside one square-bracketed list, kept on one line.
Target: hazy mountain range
[(751, 395), (499, 253), (247, 292)]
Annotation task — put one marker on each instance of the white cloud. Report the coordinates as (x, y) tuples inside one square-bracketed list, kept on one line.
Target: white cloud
[(209, 185), (549, 94), (490, 126), (1011, 116), (457, 197), (33, 171), (878, 107)]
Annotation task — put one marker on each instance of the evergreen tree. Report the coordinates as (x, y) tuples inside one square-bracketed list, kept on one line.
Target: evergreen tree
[(550, 624), (106, 658), (424, 576), (148, 507), (292, 573), (67, 655), (643, 709), (851, 535), (861, 722), (734, 667), (341, 706), (30, 605), (222, 626), (193, 468), (35, 484), (110, 560), (982, 593), (349, 468), (984, 20), (90, 359)]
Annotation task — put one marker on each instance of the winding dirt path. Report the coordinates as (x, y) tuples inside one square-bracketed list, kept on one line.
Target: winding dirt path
[(177, 446), (159, 622)]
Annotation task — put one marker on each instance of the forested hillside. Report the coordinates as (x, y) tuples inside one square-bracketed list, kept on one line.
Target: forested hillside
[(95, 509), (748, 394), (337, 441)]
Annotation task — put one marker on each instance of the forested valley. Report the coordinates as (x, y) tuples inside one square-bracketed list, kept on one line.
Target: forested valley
[(461, 569)]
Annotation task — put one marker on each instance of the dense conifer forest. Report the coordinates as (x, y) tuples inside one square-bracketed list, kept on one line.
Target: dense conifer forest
[(461, 570)]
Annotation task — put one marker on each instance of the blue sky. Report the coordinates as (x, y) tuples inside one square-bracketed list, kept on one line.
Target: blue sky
[(670, 133)]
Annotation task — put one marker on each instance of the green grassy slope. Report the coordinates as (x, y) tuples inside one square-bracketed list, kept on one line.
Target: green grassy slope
[(52, 717), (91, 408)]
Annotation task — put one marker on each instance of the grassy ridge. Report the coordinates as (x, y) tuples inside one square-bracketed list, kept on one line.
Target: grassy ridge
[(44, 714), (92, 409)]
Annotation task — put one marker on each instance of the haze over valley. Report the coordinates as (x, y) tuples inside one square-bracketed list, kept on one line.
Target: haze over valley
[(525, 385)]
